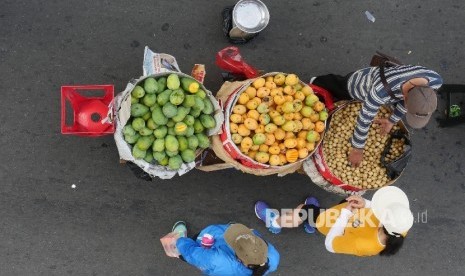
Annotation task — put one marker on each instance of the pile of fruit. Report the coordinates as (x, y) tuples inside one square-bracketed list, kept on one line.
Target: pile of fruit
[(396, 149), (169, 119), (277, 120), (336, 146)]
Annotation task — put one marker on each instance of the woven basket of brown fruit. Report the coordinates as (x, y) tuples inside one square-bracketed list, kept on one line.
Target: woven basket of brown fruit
[(331, 160)]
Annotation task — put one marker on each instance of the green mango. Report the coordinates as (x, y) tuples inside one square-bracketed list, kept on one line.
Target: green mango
[(171, 143), (150, 100), (189, 101), (180, 128), (199, 104), (190, 85), (160, 132), (198, 126), (169, 110), (138, 92), (207, 121), (204, 142), (208, 108), (134, 100), (195, 112), (181, 114), (138, 110), (158, 145), (175, 162), (170, 123), (161, 84), (131, 139), (150, 85), (144, 143), (128, 130), (148, 156), (145, 131), (171, 131), (172, 82), (151, 124), (201, 93), (177, 97), (193, 142), (189, 120), (171, 153), (158, 117), (183, 143), (147, 116), (164, 97), (188, 155), (158, 156), (164, 161), (190, 131), (138, 153), (138, 124)]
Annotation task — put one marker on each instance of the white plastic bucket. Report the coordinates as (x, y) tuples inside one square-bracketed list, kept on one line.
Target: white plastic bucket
[(249, 18)]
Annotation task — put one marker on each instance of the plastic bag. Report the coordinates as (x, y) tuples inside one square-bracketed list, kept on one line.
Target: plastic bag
[(230, 59), (169, 244), (395, 167)]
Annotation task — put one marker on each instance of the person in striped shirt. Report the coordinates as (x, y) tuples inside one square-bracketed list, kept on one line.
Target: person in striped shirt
[(410, 89)]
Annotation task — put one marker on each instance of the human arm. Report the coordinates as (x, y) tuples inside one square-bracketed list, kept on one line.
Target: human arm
[(364, 120), (398, 113), (195, 254), (273, 259), (338, 228)]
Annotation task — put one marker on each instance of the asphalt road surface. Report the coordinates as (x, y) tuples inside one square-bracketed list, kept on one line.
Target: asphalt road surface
[(111, 222)]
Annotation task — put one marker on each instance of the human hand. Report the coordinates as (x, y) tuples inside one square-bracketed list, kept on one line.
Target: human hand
[(355, 157), (356, 201), (385, 125)]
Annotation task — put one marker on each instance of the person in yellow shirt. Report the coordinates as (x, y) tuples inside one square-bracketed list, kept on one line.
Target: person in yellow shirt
[(358, 227)]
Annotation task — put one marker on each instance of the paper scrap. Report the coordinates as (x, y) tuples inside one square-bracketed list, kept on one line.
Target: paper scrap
[(370, 16)]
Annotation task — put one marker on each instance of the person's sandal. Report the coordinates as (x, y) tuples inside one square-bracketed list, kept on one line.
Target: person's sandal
[(181, 228)]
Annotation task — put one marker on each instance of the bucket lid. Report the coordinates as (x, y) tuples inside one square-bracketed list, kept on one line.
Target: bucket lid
[(251, 16)]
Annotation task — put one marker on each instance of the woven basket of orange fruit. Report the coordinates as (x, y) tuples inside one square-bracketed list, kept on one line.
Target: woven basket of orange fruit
[(273, 121)]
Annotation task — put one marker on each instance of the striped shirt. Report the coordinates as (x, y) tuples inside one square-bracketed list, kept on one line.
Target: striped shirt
[(365, 85)]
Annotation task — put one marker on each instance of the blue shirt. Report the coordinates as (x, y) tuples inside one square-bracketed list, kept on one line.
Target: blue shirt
[(366, 85), (220, 259)]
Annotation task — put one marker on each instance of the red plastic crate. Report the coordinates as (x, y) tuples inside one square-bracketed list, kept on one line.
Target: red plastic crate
[(88, 111)]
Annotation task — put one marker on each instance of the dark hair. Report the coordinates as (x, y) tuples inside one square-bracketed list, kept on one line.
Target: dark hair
[(393, 244), (258, 270)]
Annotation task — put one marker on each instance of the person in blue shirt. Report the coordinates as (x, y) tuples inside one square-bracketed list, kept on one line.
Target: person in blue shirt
[(236, 251)]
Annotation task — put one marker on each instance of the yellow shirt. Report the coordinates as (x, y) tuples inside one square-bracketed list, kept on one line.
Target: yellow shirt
[(360, 236)]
